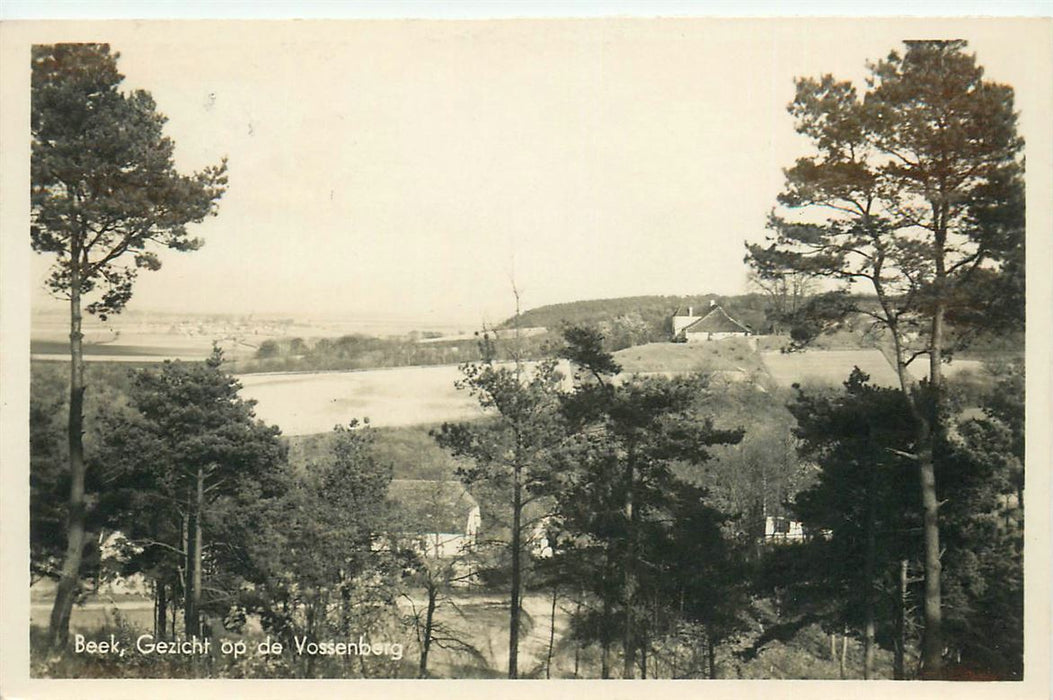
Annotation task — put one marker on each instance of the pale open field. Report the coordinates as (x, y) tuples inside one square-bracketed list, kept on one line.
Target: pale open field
[(731, 355), (828, 367), (308, 403)]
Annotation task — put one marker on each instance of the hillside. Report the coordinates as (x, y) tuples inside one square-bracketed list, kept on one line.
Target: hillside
[(732, 355), (628, 321), (410, 451)]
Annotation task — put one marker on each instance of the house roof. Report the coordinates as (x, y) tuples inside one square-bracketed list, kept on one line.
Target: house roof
[(716, 321), (682, 311), (431, 506)]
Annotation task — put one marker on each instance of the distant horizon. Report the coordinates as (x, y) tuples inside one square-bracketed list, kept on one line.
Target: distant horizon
[(61, 308)]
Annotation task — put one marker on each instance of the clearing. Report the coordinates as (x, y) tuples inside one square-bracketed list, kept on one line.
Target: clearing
[(314, 402)]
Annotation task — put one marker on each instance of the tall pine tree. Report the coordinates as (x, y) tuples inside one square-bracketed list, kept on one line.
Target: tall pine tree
[(915, 193), (104, 194)]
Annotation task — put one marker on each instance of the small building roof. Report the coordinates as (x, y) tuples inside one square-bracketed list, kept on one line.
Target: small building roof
[(717, 321), (692, 310), (432, 506)]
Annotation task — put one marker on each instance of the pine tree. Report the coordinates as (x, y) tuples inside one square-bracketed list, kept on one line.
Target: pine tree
[(104, 194), (920, 183)]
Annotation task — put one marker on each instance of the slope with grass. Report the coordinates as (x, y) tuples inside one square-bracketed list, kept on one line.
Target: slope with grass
[(727, 356), (411, 452)]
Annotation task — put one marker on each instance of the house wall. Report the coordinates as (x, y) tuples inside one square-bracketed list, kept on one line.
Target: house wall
[(682, 322), (444, 545), (783, 529), (475, 519), (703, 337)]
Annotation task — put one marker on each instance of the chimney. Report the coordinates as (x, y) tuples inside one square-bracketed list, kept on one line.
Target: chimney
[(712, 303), (690, 311)]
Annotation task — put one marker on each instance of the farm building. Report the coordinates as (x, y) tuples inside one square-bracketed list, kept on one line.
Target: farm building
[(441, 515), (715, 324)]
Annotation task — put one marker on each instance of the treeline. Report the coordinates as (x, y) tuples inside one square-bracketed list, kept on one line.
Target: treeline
[(623, 323), (356, 351)]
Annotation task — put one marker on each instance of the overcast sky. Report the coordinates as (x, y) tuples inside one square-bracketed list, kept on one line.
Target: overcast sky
[(416, 168)]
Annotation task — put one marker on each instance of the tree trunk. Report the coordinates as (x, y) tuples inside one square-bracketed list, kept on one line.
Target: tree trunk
[(628, 639), (605, 646), (345, 604), (551, 634), (191, 610), (513, 631), (189, 614), (898, 665), (198, 554), (429, 621), (577, 643), (162, 610), (868, 644), (58, 631), (932, 640), (932, 645), (58, 627), (711, 652), (844, 651), (868, 575)]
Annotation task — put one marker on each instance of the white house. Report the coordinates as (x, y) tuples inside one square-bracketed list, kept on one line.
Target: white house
[(778, 529), (715, 324), (440, 515)]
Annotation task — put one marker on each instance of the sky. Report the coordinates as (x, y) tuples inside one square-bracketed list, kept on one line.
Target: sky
[(418, 169)]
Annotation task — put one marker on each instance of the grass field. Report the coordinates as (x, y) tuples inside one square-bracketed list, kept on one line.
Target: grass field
[(731, 355), (410, 450), (308, 403), (828, 367)]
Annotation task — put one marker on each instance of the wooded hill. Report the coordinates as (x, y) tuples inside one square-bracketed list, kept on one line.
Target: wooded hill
[(642, 319)]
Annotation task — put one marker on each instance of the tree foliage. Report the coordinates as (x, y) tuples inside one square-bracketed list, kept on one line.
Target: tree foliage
[(919, 180), (866, 518), (316, 563), (186, 457), (622, 512), (104, 186)]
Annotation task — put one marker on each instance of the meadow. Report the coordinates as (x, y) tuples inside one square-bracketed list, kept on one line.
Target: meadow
[(829, 367), (308, 403)]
